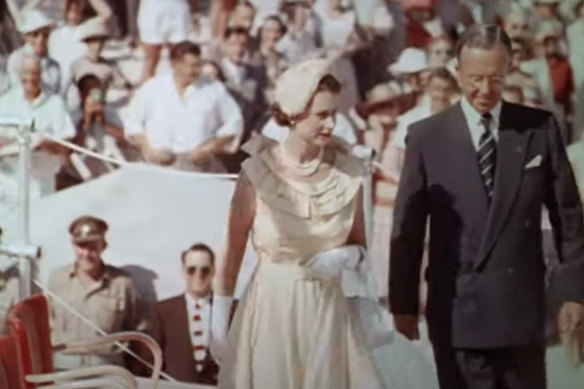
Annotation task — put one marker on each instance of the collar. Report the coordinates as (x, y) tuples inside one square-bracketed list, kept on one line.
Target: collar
[(106, 276), (40, 99), (473, 117), (191, 301)]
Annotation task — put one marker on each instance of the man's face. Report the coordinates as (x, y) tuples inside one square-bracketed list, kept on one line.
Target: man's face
[(188, 68), (95, 47), (546, 11), (440, 91), (243, 16), (88, 255), (198, 271), (440, 52), (30, 78), (516, 26), (550, 46), (38, 40), (481, 75), (236, 47)]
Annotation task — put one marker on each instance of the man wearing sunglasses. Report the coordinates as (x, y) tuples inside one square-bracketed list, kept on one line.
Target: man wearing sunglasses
[(103, 294), (181, 324)]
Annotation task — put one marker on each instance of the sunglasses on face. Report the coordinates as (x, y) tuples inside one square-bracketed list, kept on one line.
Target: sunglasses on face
[(204, 270)]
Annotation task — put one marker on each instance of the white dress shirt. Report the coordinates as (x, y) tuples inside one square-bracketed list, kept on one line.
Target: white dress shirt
[(180, 124), (421, 111), (50, 69), (199, 329), (473, 120)]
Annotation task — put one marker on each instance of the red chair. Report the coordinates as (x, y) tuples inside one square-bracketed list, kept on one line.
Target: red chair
[(11, 375), (28, 323)]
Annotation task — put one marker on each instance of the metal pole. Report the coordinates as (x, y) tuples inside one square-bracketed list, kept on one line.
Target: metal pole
[(24, 263)]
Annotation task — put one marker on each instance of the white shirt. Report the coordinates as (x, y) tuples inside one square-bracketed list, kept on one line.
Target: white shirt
[(51, 117), (50, 70), (233, 72), (473, 120), (203, 325), (181, 124), (421, 111), (65, 47)]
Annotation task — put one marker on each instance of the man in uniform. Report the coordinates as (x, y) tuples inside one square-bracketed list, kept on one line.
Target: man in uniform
[(101, 293)]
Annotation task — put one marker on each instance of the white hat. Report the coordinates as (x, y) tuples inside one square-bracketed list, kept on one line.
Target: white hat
[(297, 85), (32, 20), (411, 60), (92, 28), (546, 1)]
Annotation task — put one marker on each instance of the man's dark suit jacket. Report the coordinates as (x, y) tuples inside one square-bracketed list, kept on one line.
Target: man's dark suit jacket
[(170, 328), (486, 275)]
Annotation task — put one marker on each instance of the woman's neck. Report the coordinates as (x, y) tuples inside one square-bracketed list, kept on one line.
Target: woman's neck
[(298, 149)]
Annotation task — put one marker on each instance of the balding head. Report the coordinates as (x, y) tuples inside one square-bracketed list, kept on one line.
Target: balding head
[(516, 24), (29, 70)]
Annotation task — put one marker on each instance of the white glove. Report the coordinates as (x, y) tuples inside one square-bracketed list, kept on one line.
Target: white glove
[(220, 311), (332, 262)]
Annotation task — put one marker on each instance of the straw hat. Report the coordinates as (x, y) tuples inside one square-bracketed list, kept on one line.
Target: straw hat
[(411, 60), (380, 94), (297, 85), (92, 28), (33, 20)]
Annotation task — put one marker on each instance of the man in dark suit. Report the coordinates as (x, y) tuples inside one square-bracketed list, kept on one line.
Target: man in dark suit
[(481, 171), (181, 324)]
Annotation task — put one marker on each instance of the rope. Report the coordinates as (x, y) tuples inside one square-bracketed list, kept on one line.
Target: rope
[(93, 154), (96, 328)]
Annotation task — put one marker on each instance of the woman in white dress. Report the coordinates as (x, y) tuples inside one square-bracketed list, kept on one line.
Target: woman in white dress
[(300, 202)]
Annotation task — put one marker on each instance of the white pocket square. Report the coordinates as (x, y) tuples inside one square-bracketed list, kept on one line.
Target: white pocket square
[(535, 162)]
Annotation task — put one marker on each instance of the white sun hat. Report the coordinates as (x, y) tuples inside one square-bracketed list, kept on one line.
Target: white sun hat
[(92, 28), (32, 20), (411, 60)]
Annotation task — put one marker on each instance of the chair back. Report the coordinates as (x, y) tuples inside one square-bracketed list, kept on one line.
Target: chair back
[(11, 376)]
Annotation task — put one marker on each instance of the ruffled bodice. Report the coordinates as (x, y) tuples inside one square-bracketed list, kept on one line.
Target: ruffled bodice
[(295, 220)]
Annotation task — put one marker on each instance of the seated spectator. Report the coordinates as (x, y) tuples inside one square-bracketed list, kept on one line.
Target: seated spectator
[(50, 117), (546, 12), (182, 324), (95, 34), (410, 69), (302, 31), (161, 23), (36, 27), (422, 23), (102, 293), (516, 25), (517, 76), (213, 71), (198, 122)]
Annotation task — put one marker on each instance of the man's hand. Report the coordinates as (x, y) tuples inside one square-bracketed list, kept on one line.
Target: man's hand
[(407, 325), (200, 156), (158, 157), (571, 317)]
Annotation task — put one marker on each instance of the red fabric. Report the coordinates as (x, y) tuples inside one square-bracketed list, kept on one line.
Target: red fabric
[(417, 35), (28, 322), (562, 79), (11, 376)]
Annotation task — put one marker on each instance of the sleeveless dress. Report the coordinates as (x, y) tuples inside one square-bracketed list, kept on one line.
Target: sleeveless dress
[(294, 329)]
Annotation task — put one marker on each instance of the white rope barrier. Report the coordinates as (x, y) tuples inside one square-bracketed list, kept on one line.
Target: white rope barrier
[(91, 324), (118, 162)]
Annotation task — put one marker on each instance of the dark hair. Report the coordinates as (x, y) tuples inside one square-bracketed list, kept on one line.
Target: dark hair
[(483, 36), (327, 83), (273, 18), (234, 30), (86, 83), (220, 75), (442, 73), (198, 247), (178, 51)]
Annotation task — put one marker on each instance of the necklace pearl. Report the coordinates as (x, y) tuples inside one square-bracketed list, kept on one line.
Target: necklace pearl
[(304, 169)]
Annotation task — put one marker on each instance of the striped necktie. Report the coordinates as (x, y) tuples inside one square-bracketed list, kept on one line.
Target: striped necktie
[(487, 155)]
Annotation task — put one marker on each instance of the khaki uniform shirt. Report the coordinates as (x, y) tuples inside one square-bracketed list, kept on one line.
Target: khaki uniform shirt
[(111, 304)]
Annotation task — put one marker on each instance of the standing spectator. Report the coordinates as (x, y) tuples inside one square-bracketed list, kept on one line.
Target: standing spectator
[(516, 25), (517, 76), (422, 22), (440, 93), (243, 16), (36, 27), (100, 292), (161, 23), (575, 33), (409, 69), (50, 117), (576, 156), (440, 52), (64, 45), (546, 11), (245, 81), (267, 55), (182, 324), (302, 31), (9, 38), (198, 122)]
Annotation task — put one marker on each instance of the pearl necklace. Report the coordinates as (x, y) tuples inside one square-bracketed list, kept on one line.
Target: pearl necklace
[(304, 169)]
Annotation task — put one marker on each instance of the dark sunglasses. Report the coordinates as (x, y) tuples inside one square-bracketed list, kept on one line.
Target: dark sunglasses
[(205, 270)]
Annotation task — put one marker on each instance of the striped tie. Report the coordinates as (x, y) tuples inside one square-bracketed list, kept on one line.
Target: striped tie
[(487, 155)]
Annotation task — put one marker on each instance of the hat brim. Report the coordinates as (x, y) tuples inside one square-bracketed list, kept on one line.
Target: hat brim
[(29, 29), (89, 238)]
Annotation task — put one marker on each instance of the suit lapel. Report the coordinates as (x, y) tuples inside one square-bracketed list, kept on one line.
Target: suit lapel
[(511, 150), (182, 327)]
